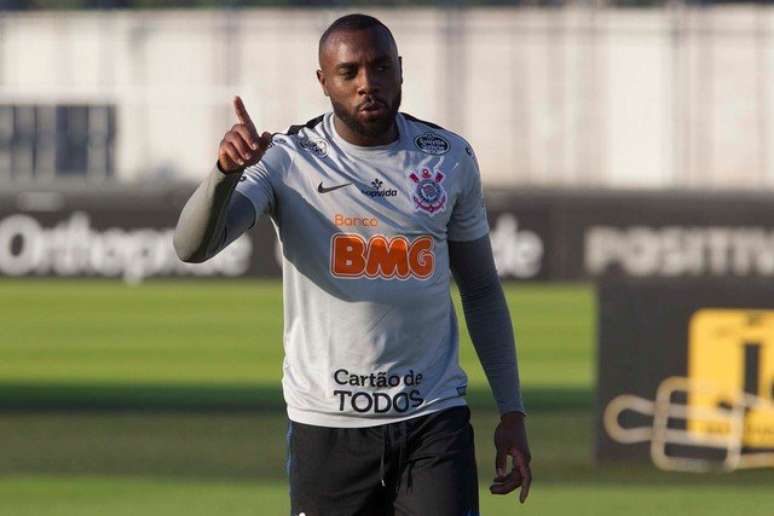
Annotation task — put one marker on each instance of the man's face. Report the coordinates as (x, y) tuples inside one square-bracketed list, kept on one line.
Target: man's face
[(361, 73)]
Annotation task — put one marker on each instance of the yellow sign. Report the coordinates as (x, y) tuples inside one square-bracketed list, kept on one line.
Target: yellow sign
[(731, 355)]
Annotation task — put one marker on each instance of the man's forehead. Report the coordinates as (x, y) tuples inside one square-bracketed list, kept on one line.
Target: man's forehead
[(356, 45)]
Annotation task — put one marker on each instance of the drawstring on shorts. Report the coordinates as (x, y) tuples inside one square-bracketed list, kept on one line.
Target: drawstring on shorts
[(401, 427), (385, 435)]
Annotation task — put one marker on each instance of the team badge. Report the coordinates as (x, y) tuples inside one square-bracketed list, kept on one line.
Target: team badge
[(431, 143), (429, 195)]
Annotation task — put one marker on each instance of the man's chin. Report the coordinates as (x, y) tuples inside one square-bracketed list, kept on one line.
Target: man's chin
[(375, 126)]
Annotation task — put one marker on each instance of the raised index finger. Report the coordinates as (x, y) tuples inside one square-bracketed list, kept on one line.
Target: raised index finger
[(241, 112)]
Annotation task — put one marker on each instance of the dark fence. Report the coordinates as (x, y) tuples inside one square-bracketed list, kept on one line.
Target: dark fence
[(536, 235)]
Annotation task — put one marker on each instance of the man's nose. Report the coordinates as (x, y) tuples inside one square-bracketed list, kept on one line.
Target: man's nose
[(368, 83)]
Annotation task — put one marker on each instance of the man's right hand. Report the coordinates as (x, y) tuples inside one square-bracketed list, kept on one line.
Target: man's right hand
[(241, 146)]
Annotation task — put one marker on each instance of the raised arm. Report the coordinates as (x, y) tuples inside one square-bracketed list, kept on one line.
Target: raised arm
[(216, 215), (213, 217)]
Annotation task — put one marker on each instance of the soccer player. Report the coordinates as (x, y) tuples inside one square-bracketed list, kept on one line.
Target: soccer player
[(373, 208)]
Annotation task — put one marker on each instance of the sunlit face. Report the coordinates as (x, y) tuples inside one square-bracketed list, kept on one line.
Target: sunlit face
[(361, 73)]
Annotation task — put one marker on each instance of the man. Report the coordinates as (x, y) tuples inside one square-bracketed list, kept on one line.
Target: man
[(373, 208)]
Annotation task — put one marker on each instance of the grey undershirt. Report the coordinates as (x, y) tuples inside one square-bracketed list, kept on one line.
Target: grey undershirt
[(488, 319), (213, 217), (216, 215)]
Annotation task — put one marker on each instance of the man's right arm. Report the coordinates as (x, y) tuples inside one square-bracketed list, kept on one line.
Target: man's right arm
[(213, 217), (216, 215)]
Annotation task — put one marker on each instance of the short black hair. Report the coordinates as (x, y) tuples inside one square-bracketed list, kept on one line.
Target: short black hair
[(352, 22)]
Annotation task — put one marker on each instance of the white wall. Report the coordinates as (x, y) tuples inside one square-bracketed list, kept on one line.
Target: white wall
[(620, 98)]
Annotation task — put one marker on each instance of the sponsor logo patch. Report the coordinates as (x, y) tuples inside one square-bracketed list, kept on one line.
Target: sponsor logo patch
[(431, 143), (352, 256), (352, 396), (377, 190), (343, 220), (317, 147), (325, 189), (429, 195), (276, 139)]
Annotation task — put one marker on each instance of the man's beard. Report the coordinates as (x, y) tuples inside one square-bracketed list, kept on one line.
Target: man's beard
[(374, 128)]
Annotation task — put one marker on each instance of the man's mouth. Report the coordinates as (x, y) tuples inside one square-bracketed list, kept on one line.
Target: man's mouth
[(373, 108)]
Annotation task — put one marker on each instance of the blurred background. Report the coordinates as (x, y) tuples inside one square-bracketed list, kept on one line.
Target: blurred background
[(625, 152)]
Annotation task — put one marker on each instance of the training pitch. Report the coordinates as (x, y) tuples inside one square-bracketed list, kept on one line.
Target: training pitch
[(164, 399)]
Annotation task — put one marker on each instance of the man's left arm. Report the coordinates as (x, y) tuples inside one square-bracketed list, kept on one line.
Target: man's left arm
[(489, 325)]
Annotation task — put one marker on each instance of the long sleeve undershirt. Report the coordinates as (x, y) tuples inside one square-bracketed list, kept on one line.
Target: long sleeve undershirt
[(488, 319), (213, 217)]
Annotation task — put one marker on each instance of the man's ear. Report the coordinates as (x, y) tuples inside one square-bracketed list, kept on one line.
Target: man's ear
[(321, 80), (400, 67)]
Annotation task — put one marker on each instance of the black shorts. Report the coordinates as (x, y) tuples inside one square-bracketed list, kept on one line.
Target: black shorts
[(420, 467)]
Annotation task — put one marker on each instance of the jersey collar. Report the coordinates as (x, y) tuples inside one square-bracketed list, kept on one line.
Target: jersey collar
[(363, 150)]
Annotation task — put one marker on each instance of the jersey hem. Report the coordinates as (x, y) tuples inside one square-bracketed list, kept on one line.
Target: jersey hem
[(333, 421)]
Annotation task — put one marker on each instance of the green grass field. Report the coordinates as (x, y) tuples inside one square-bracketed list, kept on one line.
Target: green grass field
[(164, 399)]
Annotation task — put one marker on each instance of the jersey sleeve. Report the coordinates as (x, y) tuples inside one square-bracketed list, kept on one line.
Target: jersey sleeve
[(468, 220), (259, 182)]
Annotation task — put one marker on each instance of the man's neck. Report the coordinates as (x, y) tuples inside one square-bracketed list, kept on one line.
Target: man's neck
[(350, 136)]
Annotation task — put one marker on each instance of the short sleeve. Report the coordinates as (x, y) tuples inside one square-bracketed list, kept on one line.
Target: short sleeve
[(468, 219), (259, 182)]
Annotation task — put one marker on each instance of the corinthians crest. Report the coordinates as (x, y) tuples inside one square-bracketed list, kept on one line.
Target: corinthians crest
[(429, 195)]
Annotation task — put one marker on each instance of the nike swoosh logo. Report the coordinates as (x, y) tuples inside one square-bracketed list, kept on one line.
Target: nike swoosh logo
[(322, 189)]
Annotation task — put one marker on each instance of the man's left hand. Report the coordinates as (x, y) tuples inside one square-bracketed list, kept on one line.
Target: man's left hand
[(511, 441)]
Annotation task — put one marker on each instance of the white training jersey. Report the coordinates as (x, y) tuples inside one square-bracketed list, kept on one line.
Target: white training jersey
[(370, 332)]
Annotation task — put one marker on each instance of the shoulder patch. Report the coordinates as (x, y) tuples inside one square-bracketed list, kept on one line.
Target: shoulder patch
[(432, 143), (317, 146), (276, 139)]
